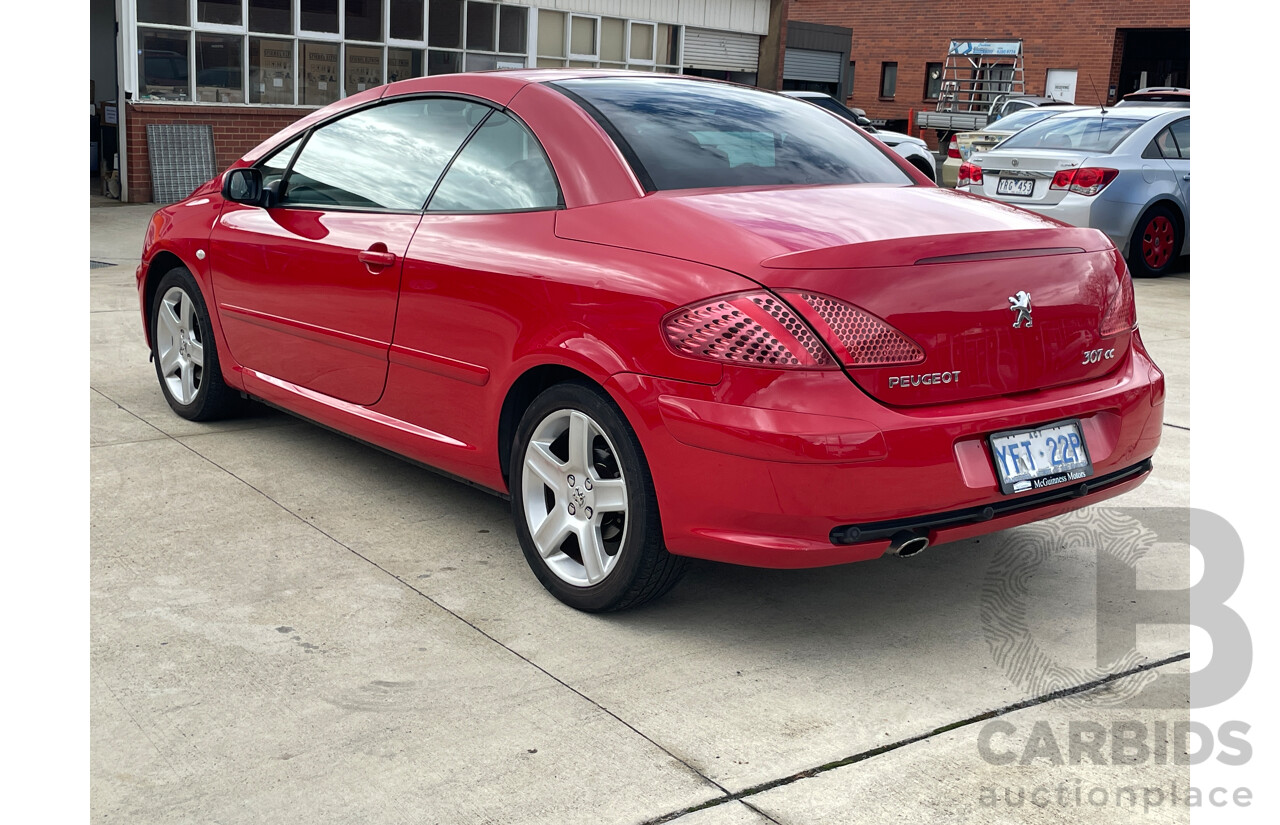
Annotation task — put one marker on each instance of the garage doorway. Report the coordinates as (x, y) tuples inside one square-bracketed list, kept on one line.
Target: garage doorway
[(1154, 57)]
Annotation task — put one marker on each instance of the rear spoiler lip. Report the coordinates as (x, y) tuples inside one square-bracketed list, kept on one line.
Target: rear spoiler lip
[(1001, 255), (952, 248)]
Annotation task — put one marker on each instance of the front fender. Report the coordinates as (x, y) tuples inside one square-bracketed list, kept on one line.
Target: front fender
[(178, 235)]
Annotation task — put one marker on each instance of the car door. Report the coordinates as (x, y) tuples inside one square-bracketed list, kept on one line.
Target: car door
[(468, 284), (307, 289), (1174, 143), (1181, 164)]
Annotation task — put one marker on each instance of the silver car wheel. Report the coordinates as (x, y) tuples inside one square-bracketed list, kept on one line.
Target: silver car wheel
[(574, 497), (180, 346)]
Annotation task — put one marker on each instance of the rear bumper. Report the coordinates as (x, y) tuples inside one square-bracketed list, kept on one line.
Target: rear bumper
[(950, 172), (771, 470)]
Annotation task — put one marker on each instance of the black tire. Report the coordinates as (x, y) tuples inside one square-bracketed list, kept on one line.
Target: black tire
[(1156, 243), (923, 168), (640, 568), (184, 345)]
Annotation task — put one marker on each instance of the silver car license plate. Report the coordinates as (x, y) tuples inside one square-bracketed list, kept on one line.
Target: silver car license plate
[(1045, 457), (1021, 187)]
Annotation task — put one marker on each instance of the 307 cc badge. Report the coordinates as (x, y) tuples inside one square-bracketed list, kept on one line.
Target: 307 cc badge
[(1045, 457)]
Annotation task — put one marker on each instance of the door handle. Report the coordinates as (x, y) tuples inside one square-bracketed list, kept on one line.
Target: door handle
[(377, 257), (1186, 177)]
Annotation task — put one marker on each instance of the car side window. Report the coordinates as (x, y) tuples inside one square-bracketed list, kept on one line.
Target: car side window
[(1166, 144), (277, 163), (386, 157), (501, 169), (1181, 132)]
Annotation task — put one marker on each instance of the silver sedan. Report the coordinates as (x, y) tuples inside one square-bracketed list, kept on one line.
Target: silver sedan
[(1126, 172)]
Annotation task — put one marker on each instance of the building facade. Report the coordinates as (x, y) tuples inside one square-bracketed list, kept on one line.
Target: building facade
[(247, 68), (1082, 51)]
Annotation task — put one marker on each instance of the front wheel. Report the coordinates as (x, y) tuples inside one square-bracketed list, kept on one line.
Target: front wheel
[(184, 351), (584, 506), (1156, 243)]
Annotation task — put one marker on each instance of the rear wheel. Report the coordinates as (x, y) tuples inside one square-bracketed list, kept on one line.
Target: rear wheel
[(184, 352), (1156, 243), (584, 506)]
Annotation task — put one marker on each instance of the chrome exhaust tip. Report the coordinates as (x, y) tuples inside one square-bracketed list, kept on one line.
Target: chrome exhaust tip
[(906, 543)]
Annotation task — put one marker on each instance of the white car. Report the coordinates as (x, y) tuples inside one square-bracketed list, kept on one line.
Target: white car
[(913, 149), (1126, 171)]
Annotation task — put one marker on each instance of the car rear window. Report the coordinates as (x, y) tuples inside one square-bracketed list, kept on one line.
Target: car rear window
[(1164, 101), (1101, 134), (689, 134), (1023, 119)]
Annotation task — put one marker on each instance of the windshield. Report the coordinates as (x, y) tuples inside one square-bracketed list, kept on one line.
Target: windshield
[(1100, 134), (1023, 119), (690, 134)]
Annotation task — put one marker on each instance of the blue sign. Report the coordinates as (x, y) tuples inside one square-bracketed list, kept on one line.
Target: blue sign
[(1010, 48)]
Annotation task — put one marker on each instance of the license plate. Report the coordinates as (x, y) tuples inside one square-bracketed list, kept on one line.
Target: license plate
[(1022, 187), (1036, 459)]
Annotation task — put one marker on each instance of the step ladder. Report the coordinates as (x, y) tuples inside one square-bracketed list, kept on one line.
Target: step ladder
[(976, 72)]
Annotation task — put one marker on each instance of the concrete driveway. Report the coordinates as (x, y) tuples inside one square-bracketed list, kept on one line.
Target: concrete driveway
[(290, 627)]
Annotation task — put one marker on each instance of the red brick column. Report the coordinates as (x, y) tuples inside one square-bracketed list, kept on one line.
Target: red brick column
[(236, 130)]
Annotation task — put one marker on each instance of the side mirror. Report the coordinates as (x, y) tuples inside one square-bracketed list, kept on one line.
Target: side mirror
[(243, 186)]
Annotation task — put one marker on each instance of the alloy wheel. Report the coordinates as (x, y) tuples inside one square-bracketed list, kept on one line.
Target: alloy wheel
[(574, 497), (180, 345), (1157, 242)]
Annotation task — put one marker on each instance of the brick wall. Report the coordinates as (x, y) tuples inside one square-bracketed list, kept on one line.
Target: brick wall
[(1063, 34), (236, 130)]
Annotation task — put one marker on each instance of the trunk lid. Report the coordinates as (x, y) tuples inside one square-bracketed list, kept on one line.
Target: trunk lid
[(963, 312), (937, 265), (1038, 166)]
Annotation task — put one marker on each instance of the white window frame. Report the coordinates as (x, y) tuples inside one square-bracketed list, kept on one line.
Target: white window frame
[(293, 40), (300, 34), (221, 28), (384, 24), (342, 69), (653, 44), (466, 7), (568, 35), (131, 41), (420, 43)]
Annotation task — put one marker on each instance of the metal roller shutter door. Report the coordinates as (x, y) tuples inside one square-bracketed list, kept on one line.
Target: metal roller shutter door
[(721, 51), (806, 64)]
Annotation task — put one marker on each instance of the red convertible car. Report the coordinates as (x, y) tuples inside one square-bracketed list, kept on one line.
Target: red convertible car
[(668, 317)]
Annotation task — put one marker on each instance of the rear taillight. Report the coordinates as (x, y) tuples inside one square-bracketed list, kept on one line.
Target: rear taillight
[(752, 328), (969, 174), (953, 148), (858, 338), (1120, 314), (1086, 181)]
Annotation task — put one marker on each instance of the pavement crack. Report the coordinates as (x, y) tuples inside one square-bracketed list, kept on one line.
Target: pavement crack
[(1177, 427), (757, 811), (1045, 698)]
